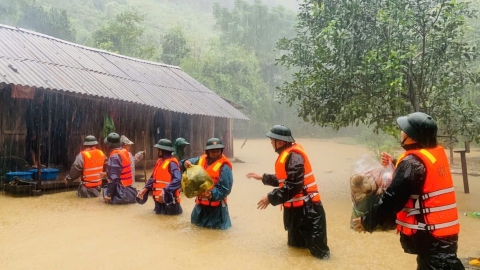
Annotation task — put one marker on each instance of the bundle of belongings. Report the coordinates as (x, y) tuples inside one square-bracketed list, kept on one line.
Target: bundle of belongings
[(368, 182), (195, 180)]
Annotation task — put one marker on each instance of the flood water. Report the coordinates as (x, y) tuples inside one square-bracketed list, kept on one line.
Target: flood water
[(61, 231)]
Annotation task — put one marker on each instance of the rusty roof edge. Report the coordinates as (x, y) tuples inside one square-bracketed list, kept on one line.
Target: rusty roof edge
[(85, 47)]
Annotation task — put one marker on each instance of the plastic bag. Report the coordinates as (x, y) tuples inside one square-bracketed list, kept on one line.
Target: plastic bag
[(472, 214), (368, 182), (195, 180)]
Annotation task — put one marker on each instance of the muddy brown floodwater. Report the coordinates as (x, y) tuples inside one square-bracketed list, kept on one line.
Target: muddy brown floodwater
[(61, 231)]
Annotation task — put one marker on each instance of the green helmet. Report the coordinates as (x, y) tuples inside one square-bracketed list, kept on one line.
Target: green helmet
[(214, 143), (164, 144), (280, 132), (181, 141), (420, 127), (113, 140), (90, 140)]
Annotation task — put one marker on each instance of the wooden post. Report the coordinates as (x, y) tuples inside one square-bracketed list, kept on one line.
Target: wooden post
[(191, 138), (463, 160), (211, 131), (39, 164), (144, 157), (167, 115), (230, 137), (81, 143)]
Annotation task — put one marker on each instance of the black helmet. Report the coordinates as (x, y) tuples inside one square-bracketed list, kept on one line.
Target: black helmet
[(420, 127), (90, 140), (113, 140), (214, 143), (164, 144), (281, 132)]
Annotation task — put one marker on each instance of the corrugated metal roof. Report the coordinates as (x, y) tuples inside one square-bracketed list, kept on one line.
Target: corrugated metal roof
[(33, 59)]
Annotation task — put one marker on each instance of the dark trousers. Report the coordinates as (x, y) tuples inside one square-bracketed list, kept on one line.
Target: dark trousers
[(433, 252), (309, 230), (440, 261)]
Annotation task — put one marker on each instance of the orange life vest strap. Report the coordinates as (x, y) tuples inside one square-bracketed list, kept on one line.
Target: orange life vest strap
[(300, 201), (207, 202)]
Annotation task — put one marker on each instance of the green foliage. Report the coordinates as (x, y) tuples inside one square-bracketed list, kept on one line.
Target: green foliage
[(8, 9), (257, 28), (54, 22), (371, 61), (233, 73), (123, 35), (182, 32), (379, 142), (174, 46)]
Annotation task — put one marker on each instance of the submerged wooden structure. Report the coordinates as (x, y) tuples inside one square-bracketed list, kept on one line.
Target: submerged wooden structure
[(73, 91)]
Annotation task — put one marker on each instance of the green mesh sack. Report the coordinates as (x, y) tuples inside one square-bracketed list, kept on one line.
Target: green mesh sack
[(195, 180)]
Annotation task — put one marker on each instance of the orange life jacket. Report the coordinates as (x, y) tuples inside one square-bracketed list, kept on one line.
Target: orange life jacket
[(162, 177), (310, 189), (126, 176), (437, 203), (93, 161), (214, 171)]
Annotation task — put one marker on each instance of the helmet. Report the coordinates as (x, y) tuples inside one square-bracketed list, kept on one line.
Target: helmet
[(280, 132), (420, 127), (181, 141), (113, 140), (90, 140), (125, 140), (164, 144), (214, 143)]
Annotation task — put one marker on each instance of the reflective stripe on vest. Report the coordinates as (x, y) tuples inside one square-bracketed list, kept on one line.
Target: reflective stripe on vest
[(93, 161), (214, 172), (426, 227), (162, 177), (310, 188), (437, 203), (126, 177)]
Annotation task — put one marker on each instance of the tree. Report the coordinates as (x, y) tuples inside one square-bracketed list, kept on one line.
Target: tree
[(123, 35), (54, 22), (8, 9), (174, 46), (233, 73), (257, 28), (369, 61)]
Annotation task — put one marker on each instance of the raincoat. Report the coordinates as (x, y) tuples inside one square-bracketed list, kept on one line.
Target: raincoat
[(108, 126), (119, 193), (169, 207), (178, 146), (76, 172), (306, 225), (432, 252), (209, 216)]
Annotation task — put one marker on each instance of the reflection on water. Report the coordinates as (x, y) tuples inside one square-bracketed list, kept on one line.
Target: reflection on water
[(60, 231)]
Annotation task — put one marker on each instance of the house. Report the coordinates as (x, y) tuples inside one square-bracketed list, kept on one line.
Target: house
[(82, 88)]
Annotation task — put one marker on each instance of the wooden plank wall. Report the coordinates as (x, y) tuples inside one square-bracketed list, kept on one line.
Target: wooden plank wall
[(73, 117), (12, 125)]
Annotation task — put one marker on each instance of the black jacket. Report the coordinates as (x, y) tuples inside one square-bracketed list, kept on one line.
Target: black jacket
[(295, 168), (408, 179)]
